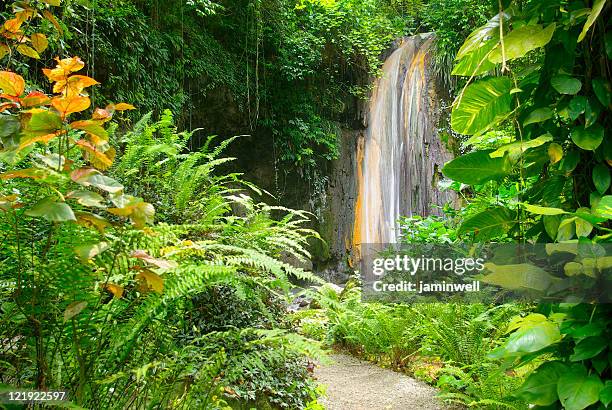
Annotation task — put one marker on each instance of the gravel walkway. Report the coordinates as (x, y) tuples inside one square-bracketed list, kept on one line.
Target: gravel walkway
[(353, 384)]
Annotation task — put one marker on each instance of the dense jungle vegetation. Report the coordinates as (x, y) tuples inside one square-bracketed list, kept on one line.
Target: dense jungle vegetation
[(140, 269)]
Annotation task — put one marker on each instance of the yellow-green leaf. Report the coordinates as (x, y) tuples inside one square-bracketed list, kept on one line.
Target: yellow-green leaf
[(27, 51), (90, 220), (522, 40), (4, 50), (543, 210), (90, 251), (595, 12), (555, 152), (518, 277), (515, 149), (152, 279), (39, 42), (88, 198)]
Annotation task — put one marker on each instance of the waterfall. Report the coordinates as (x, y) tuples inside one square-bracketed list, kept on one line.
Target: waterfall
[(399, 158)]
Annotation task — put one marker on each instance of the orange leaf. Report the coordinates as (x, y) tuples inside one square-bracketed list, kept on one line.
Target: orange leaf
[(53, 21), (9, 202), (100, 156), (11, 83), (70, 65), (124, 107), (27, 140), (64, 68), (13, 25), (33, 173), (7, 106), (71, 104), (57, 74), (102, 114), (39, 42), (94, 128), (27, 51), (73, 85), (35, 98), (116, 290), (10, 97)]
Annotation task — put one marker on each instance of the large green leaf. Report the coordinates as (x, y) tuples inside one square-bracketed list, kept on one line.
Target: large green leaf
[(588, 348), (521, 41), (567, 228), (605, 396), (523, 276), (9, 125), (540, 388), (565, 84), (538, 115), (476, 62), (482, 105), (52, 211), (591, 112), (577, 390), (588, 138), (601, 178), (489, 224), (481, 35), (515, 149), (533, 334), (88, 198), (604, 207), (551, 225), (91, 177), (543, 210), (603, 91), (476, 168), (595, 12), (43, 122), (577, 106)]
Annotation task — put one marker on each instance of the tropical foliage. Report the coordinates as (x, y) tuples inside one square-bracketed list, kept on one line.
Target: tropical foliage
[(551, 90), (137, 269), (102, 301)]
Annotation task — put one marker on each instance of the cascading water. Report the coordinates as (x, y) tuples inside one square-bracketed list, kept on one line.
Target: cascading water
[(399, 159)]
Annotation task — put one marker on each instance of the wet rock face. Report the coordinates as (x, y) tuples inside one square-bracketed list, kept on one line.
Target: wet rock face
[(337, 221)]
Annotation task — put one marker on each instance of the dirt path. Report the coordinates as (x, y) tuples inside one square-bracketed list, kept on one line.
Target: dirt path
[(353, 384)]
